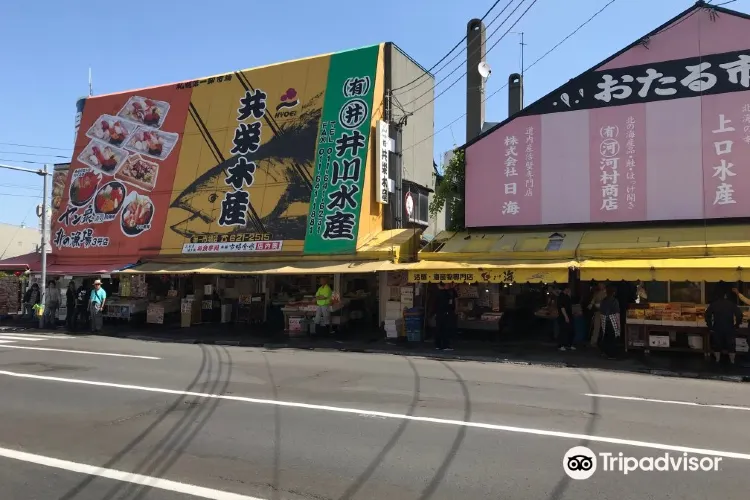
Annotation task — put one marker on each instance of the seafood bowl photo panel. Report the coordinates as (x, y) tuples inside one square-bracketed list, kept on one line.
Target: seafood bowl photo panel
[(139, 172), (152, 142), (111, 129), (83, 186), (145, 111), (102, 157), (137, 214)]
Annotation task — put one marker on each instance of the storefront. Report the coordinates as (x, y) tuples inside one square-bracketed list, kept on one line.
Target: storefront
[(627, 176), (239, 228), (681, 270)]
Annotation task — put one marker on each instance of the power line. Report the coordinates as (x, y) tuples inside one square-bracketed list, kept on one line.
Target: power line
[(33, 154), (450, 51), (26, 161), (571, 34), (506, 84), (30, 146), (475, 50), (488, 51)]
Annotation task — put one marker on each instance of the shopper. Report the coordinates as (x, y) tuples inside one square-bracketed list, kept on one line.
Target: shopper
[(30, 299), (323, 305), (609, 312), (597, 296), (723, 317), (446, 317), (81, 315), (70, 306), (52, 304), (97, 301), (565, 319)]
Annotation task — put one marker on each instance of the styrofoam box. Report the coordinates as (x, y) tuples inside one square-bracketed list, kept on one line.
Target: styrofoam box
[(658, 340)]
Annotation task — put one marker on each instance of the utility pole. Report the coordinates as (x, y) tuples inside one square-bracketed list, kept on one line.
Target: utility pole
[(44, 173)]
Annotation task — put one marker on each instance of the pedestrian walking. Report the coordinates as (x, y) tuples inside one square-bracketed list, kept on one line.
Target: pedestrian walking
[(97, 301), (70, 306), (565, 320), (52, 304), (723, 318), (609, 316)]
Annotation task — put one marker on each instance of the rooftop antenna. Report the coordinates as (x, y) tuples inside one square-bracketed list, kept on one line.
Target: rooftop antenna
[(520, 33), (91, 85)]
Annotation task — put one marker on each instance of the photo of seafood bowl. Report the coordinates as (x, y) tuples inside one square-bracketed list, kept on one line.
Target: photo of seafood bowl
[(137, 214), (83, 186), (109, 199), (146, 111), (103, 157), (139, 172), (152, 142), (111, 129)]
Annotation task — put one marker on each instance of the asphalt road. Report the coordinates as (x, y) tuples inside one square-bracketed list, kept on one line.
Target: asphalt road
[(168, 421)]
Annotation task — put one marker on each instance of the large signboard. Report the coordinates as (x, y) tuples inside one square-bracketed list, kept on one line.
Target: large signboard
[(659, 133), (227, 164)]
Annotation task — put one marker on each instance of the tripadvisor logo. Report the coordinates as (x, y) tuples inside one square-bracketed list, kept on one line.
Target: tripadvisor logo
[(580, 463)]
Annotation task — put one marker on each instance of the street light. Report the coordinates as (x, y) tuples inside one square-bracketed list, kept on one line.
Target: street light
[(44, 173)]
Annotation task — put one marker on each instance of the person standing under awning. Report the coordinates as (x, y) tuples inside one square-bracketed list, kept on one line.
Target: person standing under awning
[(723, 317), (323, 304)]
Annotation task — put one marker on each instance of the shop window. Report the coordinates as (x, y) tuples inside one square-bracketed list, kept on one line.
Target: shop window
[(685, 291), (714, 290), (657, 291)]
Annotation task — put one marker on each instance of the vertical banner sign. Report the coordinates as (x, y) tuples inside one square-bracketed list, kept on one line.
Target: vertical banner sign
[(341, 163), (381, 155)]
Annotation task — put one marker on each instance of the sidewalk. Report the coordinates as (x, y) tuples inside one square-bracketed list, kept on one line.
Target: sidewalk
[(526, 353), (512, 352)]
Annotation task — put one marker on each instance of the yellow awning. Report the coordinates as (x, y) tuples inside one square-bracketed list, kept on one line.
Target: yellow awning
[(665, 242), (489, 272), (468, 246), (693, 269), (310, 267)]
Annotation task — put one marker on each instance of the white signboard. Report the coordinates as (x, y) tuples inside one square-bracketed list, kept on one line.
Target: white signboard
[(381, 155), (227, 247)]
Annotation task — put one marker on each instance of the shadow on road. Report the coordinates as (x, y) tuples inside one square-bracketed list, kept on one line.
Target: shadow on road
[(169, 449), (276, 481), (562, 485), (457, 442), (138, 439), (368, 472)]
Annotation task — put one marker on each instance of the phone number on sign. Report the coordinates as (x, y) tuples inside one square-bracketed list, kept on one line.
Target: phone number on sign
[(252, 246)]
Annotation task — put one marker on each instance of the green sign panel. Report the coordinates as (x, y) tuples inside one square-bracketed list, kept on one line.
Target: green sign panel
[(341, 155)]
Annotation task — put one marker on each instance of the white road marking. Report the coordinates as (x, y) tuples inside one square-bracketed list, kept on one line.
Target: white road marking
[(37, 336), (361, 412), (117, 355), (6, 341), (14, 338), (118, 475), (665, 401)]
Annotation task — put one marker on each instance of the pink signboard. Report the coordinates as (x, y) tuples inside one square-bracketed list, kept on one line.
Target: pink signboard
[(637, 139)]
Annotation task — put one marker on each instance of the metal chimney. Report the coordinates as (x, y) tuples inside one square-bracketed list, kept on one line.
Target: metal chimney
[(515, 94), (476, 50)]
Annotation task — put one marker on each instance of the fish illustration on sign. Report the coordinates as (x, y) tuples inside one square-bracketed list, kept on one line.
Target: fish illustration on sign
[(280, 194)]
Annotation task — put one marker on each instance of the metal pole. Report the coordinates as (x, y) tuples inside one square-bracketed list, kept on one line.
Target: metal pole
[(44, 174)]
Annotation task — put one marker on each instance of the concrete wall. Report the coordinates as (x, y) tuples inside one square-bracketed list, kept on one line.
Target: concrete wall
[(418, 144), (17, 240)]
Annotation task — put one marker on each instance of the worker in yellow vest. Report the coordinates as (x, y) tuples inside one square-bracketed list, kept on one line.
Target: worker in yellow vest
[(323, 302)]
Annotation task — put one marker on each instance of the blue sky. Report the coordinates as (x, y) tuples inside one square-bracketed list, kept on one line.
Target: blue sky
[(48, 46)]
